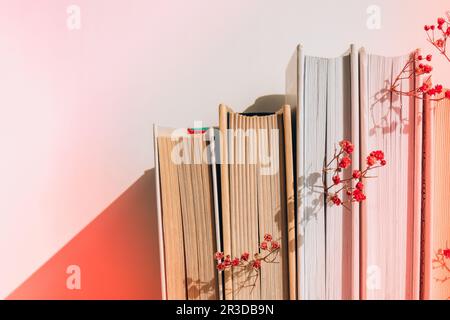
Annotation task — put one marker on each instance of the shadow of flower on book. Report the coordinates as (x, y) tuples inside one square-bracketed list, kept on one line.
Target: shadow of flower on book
[(253, 274), (387, 112), (311, 186), (198, 289)]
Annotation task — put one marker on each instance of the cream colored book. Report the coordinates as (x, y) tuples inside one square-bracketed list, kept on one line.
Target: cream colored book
[(257, 199), (187, 213), (391, 215)]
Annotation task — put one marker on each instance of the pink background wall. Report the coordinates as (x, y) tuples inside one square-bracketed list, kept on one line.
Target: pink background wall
[(77, 106)]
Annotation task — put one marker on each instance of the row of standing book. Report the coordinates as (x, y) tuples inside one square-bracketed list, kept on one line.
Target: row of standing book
[(223, 188)]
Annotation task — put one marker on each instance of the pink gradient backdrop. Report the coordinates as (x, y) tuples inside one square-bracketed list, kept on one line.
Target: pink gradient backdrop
[(77, 107)]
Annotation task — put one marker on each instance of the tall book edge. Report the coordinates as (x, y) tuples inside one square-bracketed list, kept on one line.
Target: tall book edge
[(418, 180), (225, 195), (212, 139), (354, 92), (427, 200), (363, 152)]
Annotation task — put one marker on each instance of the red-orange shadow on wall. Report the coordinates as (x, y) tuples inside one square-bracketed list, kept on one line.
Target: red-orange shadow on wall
[(117, 253)]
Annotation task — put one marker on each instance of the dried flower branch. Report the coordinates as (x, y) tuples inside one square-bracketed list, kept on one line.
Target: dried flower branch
[(441, 262), (414, 67), (353, 186), (268, 254), (438, 34)]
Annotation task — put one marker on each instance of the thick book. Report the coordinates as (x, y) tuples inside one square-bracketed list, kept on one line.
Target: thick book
[(436, 215), (324, 95), (391, 215), (257, 199), (188, 216)]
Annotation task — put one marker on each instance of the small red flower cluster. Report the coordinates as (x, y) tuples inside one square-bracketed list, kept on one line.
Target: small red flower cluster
[(437, 34), (268, 246), (342, 161), (446, 253), (222, 263), (274, 245), (430, 90), (423, 68), (376, 157)]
